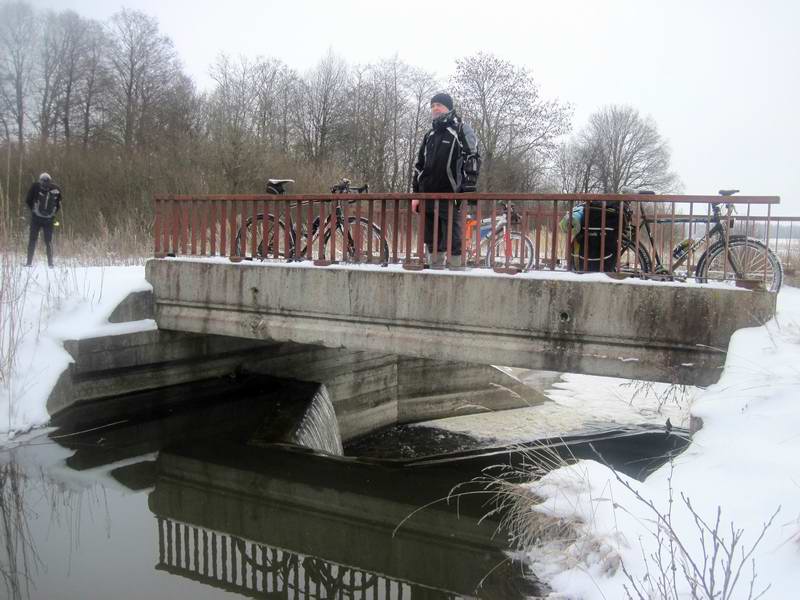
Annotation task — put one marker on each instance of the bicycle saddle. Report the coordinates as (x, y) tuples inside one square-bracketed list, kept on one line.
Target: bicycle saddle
[(275, 186), (727, 192)]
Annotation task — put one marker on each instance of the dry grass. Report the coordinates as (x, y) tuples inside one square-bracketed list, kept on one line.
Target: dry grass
[(720, 568), (14, 288)]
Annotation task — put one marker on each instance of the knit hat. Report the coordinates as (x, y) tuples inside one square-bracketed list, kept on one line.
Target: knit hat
[(44, 177), (443, 99)]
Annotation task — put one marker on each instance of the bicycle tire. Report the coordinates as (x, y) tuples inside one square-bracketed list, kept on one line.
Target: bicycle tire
[(271, 237), (627, 262), (753, 263), (377, 258), (517, 240)]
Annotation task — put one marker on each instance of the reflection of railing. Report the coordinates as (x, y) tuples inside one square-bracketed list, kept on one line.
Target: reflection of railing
[(256, 570)]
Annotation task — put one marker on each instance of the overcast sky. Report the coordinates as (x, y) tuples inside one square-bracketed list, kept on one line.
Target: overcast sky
[(721, 78)]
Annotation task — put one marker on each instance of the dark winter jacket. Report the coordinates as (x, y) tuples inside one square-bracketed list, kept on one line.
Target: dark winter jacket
[(44, 201), (448, 159)]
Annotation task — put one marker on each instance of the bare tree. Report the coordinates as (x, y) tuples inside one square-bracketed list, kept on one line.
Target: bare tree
[(574, 168), (17, 36), (319, 107), (49, 74), (626, 150), (95, 80), (74, 40), (119, 84), (420, 87), (232, 112), (144, 64), (513, 122), (274, 85), (390, 78), (17, 31)]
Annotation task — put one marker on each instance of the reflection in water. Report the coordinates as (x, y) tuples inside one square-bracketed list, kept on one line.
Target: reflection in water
[(257, 570), (283, 520), (29, 495), (19, 556), (239, 508)]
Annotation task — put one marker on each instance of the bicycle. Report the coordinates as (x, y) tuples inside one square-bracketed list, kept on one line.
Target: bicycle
[(728, 257), (509, 244), (307, 242)]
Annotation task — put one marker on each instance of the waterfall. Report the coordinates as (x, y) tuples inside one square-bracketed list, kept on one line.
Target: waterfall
[(318, 427)]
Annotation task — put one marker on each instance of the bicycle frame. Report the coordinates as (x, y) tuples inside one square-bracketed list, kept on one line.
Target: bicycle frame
[(486, 232), (719, 229)]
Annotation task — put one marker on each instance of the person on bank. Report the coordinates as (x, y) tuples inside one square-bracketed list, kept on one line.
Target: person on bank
[(448, 161), (44, 201)]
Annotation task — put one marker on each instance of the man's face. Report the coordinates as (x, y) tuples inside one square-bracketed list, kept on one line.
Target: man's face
[(438, 109)]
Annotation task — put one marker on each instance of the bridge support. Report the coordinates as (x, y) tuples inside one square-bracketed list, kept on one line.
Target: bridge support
[(582, 324)]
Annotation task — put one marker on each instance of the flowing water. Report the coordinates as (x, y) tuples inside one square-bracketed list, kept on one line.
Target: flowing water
[(239, 488), (318, 427)]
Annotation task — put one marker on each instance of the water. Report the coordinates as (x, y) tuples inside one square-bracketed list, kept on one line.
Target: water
[(238, 488), (212, 499), (318, 428)]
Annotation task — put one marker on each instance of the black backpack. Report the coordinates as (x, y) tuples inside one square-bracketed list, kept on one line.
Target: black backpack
[(46, 202)]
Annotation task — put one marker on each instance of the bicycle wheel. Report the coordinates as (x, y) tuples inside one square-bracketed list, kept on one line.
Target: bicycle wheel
[(749, 256), (512, 249), (380, 247), (274, 235), (628, 262)]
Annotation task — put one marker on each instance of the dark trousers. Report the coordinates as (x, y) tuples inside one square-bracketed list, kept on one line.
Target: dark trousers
[(441, 242), (38, 223)]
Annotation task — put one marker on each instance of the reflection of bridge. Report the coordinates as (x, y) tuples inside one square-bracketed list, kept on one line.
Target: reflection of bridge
[(270, 520), (244, 567)]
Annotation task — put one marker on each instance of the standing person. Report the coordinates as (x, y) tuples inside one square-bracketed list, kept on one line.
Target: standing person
[(447, 162), (44, 200)]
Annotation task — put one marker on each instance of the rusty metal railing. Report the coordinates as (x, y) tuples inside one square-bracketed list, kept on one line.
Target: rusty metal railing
[(659, 236)]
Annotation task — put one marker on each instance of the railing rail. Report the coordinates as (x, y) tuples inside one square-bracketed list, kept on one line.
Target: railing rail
[(505, 232)]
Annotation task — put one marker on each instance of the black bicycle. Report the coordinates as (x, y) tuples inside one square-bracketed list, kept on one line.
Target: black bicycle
[(728, 257), (365, 242)]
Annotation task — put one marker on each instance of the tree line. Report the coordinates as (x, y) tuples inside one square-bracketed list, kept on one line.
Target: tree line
[(108, 109)]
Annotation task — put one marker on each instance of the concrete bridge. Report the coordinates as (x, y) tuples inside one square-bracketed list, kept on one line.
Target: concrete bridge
[(590, 324)]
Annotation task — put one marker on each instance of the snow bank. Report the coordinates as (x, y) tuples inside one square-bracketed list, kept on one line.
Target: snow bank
[(577, 403), (745, 462), (53, 305)]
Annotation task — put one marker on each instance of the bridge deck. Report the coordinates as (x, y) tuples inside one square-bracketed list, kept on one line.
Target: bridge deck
[(575, 323)]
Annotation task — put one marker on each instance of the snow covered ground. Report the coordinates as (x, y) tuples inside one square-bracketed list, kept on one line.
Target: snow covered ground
[(43, 307), (578, 403), (744, 463)]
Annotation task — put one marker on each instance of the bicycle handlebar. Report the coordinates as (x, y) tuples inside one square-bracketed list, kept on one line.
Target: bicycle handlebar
[(344, 188)]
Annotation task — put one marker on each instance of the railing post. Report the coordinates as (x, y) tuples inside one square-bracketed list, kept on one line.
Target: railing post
[(157, 226)]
